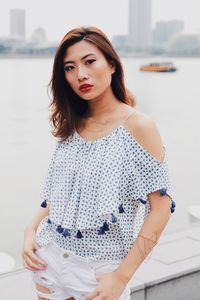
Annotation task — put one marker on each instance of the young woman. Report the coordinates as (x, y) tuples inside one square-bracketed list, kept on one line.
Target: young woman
[(107, 196)]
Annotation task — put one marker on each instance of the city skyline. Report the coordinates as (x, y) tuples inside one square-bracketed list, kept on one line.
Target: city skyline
[(18, 24), (140, 24), (56, 21)]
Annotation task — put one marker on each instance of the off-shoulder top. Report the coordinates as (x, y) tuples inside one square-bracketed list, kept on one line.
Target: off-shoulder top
[(97, 192)]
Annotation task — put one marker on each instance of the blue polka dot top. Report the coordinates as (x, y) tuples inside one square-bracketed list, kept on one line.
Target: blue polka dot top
[(97, 192)]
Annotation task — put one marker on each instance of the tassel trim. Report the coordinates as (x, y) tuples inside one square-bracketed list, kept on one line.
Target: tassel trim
[(66, 233), (60, 229), (142, 201), (163, 191), (173, 205), (105, 227), (44, 204), (79, 235), (101, 231), (121, 209), (114, 218)]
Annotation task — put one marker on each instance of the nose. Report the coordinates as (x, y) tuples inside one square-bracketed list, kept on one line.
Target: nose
[(82, 74)]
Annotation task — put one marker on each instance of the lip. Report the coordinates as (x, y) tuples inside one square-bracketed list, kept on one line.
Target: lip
[(85, 87)]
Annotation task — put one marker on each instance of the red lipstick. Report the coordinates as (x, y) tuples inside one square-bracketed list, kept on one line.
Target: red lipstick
[(85, 87)]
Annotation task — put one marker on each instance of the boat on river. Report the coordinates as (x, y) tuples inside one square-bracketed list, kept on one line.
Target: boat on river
[(159, 67)]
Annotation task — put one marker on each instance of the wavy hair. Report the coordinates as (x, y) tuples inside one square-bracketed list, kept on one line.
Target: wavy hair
[(65, 104)]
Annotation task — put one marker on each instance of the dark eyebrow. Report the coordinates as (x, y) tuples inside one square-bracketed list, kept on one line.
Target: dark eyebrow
[(71, 62)]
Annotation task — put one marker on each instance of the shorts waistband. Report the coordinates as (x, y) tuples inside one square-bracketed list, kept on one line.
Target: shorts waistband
[(63, 251)]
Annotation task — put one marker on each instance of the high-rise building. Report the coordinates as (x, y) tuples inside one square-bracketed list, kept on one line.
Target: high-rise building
[(165, 30), (17, 24), (140, 27)]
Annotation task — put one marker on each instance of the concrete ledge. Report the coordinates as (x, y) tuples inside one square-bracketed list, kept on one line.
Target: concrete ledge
[(170, 272), (183, 287), (16, 285)]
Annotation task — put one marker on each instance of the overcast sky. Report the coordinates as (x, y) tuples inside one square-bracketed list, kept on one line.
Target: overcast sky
[(57, 17)]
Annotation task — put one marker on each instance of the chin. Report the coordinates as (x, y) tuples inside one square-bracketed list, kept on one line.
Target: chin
[(89, 97)]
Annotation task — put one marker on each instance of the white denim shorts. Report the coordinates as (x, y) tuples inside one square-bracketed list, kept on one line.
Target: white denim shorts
[(69, 275)]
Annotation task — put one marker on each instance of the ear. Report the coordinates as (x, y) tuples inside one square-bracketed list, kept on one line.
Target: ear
[(113, 68)]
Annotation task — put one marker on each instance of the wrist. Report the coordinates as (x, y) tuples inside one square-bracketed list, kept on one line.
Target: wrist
[(123, 276)]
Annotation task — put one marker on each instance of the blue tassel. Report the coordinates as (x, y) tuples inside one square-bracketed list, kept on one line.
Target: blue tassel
[(79, 235), (142, 201), (172, 209), (59, 229), (163, 191), (101, 231), (173, 204), (114, 218), (49, 221), (105, 226), (66, 232), (121, 209), (43, 204)]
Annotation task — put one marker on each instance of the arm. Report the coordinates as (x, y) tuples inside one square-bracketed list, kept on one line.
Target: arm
[(111, 285), (145, 131), (30, 260), (42, 213), (147, 237)]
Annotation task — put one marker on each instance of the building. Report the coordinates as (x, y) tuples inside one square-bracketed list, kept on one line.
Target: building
[(38, 36), (120, 41), (184, 44), (17, 24), (165, 30), (140, 24)]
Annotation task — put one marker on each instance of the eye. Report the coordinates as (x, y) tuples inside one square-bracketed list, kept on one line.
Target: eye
[(69, 68), (90, 61)]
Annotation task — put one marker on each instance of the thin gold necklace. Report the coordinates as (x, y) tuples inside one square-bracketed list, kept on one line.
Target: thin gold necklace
[(102, 124)]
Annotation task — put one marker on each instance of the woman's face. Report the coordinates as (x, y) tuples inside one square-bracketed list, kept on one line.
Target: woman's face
[(86, 70)]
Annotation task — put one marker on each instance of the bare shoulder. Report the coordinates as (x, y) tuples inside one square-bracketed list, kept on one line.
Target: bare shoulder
[(145, 131)]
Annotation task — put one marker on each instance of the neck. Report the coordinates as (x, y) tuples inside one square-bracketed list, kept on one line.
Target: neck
[(102, 106)]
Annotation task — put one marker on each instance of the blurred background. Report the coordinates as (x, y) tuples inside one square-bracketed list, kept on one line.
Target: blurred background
[(159, 45)]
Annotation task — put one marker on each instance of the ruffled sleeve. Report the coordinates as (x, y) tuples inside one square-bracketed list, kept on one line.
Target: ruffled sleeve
[(149, 175), (45, 192)]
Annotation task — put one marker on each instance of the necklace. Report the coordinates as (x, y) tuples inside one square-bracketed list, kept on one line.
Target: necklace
[(104, 123)]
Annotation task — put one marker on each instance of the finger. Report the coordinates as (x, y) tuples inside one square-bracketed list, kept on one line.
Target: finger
[(31, 264), (30, 255), (92, 295), (36, 247), (36, 259), (98, 277), (27, 267)]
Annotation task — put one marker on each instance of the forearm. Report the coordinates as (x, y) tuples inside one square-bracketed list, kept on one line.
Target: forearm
[(144, 243), (42, 213)]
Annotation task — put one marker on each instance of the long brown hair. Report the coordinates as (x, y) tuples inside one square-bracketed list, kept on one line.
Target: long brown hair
[(66, 105)]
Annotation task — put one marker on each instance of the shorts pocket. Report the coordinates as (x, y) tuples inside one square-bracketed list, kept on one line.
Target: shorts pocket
[(41, 248), (106, 268), (78, 276)]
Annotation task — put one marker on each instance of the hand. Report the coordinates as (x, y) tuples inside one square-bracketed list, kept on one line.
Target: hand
[(110, 287), (30, 260)]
